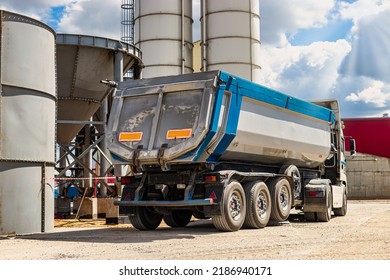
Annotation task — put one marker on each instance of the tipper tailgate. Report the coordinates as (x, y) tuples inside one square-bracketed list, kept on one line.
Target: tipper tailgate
[(161, 117)]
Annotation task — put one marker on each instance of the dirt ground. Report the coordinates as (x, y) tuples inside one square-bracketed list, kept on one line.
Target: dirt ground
[(363, 234)]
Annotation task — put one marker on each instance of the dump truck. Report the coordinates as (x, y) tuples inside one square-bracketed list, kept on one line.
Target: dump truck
[(214, 145)]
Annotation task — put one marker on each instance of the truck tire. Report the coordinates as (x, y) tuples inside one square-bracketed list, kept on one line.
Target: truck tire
[(326, 215), (293, 172), (343, 210), (234, 208), (281, 198), (178, 218), (144, 219), (258, 201)]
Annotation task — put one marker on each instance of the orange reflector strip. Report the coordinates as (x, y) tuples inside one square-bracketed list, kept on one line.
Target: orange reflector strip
[(179, 133), (130, 136)]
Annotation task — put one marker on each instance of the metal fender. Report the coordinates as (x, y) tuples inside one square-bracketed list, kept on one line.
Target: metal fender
[(316, 195), (338, 192)]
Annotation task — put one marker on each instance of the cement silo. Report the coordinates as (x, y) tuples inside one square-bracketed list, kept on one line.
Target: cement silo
[(83, 61), (163, 31), (231, 37), (27, 124)]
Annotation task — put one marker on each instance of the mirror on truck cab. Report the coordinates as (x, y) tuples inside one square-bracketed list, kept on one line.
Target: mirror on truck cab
[(352, 146)]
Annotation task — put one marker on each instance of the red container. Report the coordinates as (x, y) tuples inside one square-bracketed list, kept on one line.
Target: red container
[(372, 135)]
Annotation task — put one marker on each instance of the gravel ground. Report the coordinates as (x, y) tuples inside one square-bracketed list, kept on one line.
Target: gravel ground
[(363, 234)]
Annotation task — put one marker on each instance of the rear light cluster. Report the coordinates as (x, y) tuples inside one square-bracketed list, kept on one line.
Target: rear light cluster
[(315, 194), (126, 180), (211, 178)]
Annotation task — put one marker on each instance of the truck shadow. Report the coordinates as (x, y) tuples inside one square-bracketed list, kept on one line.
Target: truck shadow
[(297, 218), (129, 234), (124, 234)]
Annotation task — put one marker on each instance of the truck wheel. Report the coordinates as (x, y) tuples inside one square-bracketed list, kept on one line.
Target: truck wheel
[(281, 199), (258, 201), (178, 218), (234, 208), (343, 210), (144, 219), (325, 216), (293, 172)]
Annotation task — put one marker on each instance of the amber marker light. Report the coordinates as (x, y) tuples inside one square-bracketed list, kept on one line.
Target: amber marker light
[(130, 136), (179, 134)]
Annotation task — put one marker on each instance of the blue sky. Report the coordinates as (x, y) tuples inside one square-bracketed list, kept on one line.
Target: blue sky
[(56, 13), (335, 30), (310, 49)]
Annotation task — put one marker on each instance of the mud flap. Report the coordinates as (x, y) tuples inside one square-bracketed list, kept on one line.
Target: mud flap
[(128, 193), (214, 191)]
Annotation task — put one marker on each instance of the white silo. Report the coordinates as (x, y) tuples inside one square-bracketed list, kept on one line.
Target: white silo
[(231, 37), (163, 32), (27, 124)]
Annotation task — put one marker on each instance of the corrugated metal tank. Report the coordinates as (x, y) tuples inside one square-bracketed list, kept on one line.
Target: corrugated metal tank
[(231, 37), (27, 124), (163, 31)]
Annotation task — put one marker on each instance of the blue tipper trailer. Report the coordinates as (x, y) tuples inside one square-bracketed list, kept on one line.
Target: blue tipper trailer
[(214, 145)]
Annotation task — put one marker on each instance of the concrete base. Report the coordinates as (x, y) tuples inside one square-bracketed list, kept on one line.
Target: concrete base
[(123, 220), (106, 206), (88, 209), (109, 210), (91, 208), (62, 207)]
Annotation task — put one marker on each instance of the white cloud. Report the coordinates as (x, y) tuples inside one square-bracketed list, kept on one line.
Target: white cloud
[(376, 95), (371, 48), (350, 91), (329, 69), (283, 18), (38, 9), (363, 8), (304, 71), (91, 17), (98, 17)]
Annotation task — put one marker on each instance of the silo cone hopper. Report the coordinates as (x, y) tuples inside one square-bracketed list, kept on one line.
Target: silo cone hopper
[(82, 62)]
